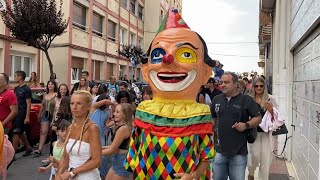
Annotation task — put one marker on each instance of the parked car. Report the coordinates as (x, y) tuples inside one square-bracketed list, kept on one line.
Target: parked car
[(33, 132), (37, 96)]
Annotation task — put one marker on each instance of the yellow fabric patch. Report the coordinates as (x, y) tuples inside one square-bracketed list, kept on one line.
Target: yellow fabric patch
[(174, 109)]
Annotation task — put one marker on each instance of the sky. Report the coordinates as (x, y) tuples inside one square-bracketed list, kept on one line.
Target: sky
[(230, 28)]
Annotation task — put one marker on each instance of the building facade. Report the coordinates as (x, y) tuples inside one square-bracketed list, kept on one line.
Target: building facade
[(294, 47), (96, 30)]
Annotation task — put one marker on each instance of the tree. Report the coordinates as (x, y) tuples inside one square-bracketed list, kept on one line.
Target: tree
[(36, 22), (133, 53)]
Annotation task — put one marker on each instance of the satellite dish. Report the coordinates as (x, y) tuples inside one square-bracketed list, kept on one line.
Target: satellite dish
[(3, 5)]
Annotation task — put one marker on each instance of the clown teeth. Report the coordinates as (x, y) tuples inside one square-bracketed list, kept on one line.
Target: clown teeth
[(171, 75)]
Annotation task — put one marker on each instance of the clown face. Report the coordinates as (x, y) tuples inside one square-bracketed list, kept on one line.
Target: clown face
[(176, 68)]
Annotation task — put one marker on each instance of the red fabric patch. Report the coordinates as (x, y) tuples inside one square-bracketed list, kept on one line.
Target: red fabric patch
[(205, 128)]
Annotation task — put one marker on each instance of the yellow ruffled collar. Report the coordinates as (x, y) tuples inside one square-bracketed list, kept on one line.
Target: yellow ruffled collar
[(174, 109)]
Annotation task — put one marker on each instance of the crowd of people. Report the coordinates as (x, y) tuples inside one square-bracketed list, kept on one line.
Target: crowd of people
[(93, 121)]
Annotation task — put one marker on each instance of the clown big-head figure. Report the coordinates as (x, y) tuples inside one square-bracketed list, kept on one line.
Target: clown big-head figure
[(178, 62)]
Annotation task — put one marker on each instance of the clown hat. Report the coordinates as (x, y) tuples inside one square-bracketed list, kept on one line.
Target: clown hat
[(172, 20)]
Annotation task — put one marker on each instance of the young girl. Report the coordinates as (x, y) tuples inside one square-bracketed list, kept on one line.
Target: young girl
[(120, 142), (146, 94), (82, 155), (62, 92), (58, 148), (63, 113)]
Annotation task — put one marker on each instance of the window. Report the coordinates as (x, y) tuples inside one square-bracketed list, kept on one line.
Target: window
[(123, 36), (132, 39), (140, 12), (140, 41), (124, 3), (112, 31), (22, 63), (95, 70), (79, 16), (97, 24), (133, 6), (75, 74)]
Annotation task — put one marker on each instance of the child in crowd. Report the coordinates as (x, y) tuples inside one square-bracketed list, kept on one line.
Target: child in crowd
[(58, 148), (64, 112)]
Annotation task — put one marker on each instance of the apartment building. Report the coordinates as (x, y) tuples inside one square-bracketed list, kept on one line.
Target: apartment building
[(155, 12), (96, 30)]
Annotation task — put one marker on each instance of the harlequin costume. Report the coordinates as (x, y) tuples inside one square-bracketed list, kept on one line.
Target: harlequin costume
[(173, 133)]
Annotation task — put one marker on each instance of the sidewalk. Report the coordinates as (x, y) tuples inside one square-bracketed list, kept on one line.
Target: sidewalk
[(280, 170)]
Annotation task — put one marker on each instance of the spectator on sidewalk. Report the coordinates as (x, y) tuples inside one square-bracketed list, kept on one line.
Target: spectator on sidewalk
[(243, 88), (8, 103), (24, 95), (203, 97), (83, 85), (125, 78), (120, 142), (94, 90), (84, 74), (231, 111), (211, 89), (247, 83), (46, 114), (218, 71), (146, 93), (125, 87), (33, 82), (261, 149), (112, 86)]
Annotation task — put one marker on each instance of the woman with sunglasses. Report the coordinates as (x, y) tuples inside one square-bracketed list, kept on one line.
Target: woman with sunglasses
[(261, 149)]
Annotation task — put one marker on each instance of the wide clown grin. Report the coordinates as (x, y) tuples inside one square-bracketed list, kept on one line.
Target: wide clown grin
[(172, 81), (172, 77)]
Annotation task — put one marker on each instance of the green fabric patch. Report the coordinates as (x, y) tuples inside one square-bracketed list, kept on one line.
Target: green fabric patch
[(174, 122), (163, 24)]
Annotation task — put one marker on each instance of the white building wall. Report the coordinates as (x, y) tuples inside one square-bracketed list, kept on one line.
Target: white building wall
[(296, 73)]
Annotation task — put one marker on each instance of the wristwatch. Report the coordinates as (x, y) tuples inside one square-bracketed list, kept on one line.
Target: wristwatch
[(247, 125), (71, 172)]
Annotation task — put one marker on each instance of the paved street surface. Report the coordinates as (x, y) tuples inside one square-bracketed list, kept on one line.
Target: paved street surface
[(25, 168)]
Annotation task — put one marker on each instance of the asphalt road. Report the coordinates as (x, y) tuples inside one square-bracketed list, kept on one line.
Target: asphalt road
[(25, 168)]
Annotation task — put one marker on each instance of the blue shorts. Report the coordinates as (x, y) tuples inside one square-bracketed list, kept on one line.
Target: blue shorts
[(117, 165), (45, 119)]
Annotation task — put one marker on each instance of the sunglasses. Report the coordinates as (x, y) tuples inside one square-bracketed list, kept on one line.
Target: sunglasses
[(258, 86)]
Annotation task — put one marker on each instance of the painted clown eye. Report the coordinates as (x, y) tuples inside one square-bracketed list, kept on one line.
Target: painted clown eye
[(186, 55), (157, 55)]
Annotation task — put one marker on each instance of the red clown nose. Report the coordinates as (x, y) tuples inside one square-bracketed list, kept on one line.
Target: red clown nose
[(167, 59)]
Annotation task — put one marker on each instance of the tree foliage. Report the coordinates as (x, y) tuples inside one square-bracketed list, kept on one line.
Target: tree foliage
[(36, 22), (132, 52)]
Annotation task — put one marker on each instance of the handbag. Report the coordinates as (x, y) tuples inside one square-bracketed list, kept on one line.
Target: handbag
[(252, 135), (252, 132), (280, 130)]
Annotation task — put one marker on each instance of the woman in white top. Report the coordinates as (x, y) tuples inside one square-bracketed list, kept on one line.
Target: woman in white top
[(82, 155)]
